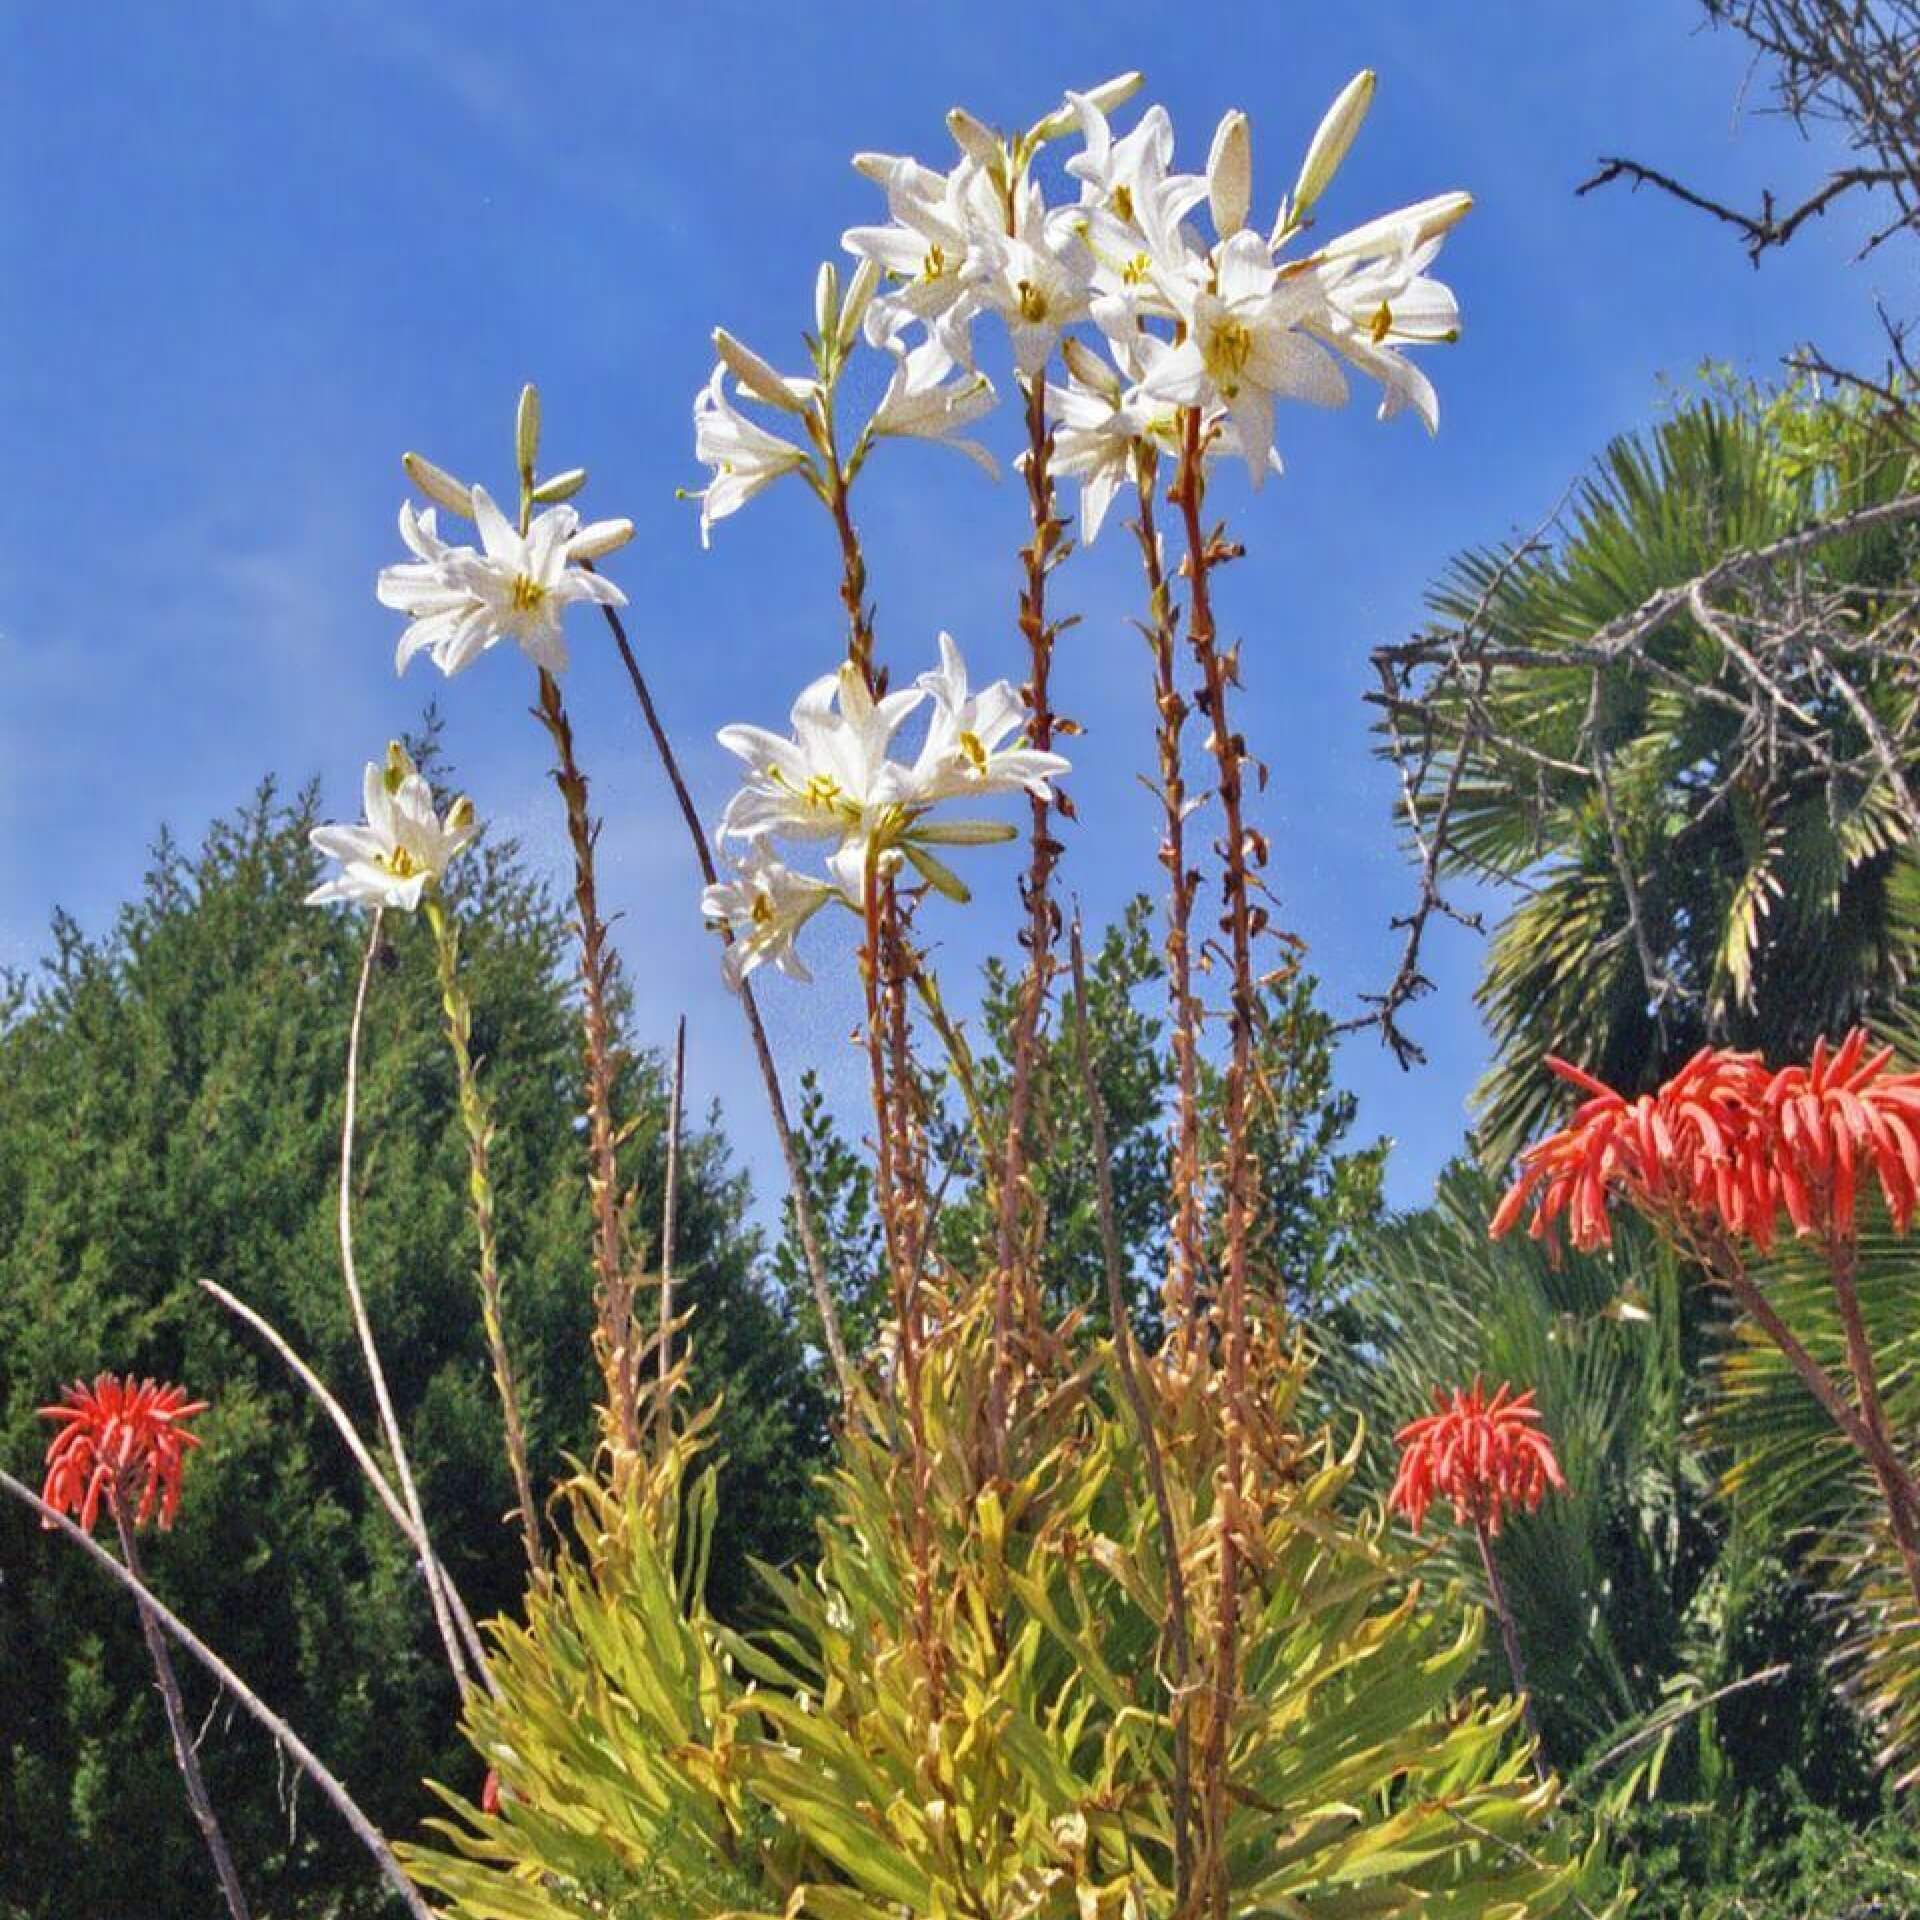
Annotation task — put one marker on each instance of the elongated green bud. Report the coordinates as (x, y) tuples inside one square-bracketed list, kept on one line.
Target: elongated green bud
[(438, 485), (1332, 139), (526, 430), (562, 486)]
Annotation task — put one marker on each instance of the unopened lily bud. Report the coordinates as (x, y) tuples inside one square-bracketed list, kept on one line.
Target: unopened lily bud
[(601, 537), (1332, 139), (1088, 368), (438, 485), (965, 833), (562, 486), (976, 139), (853, 309), (460, 816), (400, 767), (826, 302), (753, 373), (937, 874), (1230, 174), (1106, 96), (1411, 227), (526, 429)]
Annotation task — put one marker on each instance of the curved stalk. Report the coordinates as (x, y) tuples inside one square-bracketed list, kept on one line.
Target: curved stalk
[(364, 1830), (376, 1373)]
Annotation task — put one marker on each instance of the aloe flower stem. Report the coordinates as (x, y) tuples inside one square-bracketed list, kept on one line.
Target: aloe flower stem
[(1510, 1639), (477, 1118), (183, 1748), (370, 1352), (364, 1830)]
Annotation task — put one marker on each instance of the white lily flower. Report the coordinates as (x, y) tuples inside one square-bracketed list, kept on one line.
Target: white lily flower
[(763, 904), (922, 403), (1230, 174), (461, 601), (1097, 424), (966, 751), (1376, 306), (746, 459), (403, 847), (1245, 346), (935, 217), (1331, 139), (832, 775), (1038, 286)]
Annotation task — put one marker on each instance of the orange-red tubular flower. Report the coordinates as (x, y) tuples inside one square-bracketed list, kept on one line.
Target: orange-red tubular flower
[(122, 1440), (1727, 1145), (1483, 1455), (1826, 1123)]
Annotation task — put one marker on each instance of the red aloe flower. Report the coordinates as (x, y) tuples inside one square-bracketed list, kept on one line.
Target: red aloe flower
[(123, 1440), (1682, 1153), (1483, 1455), (1825, 1122)]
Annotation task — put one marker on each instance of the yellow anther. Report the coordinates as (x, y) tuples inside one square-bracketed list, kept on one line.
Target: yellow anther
[(975, 752), (527, 593), (1033, 302), (1382, 323)]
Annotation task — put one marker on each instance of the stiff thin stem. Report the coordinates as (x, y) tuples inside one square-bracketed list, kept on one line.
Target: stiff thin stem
[(669, 1207), (1510, 1639), (370, 1352), (798, 1187)]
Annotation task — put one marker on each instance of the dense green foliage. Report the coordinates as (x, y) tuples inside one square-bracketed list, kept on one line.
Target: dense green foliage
[(1775, 884), (170, 1099)]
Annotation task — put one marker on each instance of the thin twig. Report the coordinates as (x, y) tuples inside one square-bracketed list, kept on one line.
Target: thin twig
[(363, 1459), (797, 1186), (368, 1834)]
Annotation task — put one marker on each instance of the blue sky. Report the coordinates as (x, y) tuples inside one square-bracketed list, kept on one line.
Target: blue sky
[(249, 253)]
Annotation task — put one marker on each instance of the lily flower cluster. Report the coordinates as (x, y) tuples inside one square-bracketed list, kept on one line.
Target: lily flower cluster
[(1151, 314), (835, 781), (121, 1441), (1727, 1146), (1484, 1455), (404, 845)]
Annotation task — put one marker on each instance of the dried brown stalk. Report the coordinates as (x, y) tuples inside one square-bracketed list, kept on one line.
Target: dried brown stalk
[(303, 1756), (1161, 627), (1240, 853), (1011, 1250), (613, 1293)]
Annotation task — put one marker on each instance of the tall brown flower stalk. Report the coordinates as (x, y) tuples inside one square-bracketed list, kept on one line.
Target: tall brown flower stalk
[(1162, 632), (1012, 1251), (613, 1291), (669, 1214), (1239, 851), (476, 1117)]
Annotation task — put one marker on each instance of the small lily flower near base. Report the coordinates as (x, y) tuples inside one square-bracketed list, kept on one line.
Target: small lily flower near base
[(965, 752), (462, 601), (763, 904), (927, 399), (746, 459), (404, 846), (122, 1443)]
